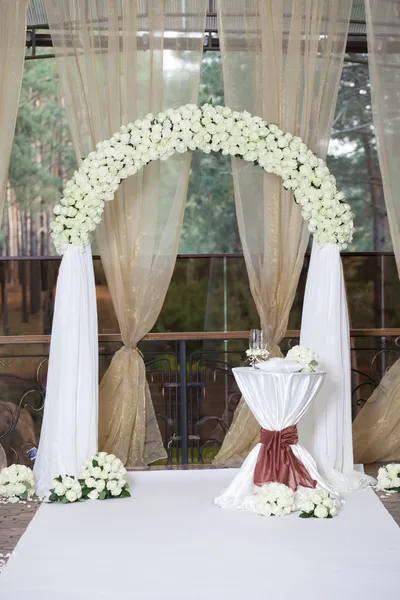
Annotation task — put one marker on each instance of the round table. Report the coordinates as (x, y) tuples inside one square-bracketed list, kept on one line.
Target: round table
[(278, 401)]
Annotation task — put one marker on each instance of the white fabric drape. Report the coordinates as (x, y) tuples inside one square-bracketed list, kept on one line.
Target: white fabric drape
[(326, 428), (376, 429), (277, 401), (69, 429), (282, 60), (119, 60), (13, 17)]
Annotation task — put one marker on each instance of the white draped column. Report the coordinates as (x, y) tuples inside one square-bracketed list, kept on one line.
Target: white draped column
[(326, 428), (69, 430)]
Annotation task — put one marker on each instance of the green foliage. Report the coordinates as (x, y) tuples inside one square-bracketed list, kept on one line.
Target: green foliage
[(43, 157), (209, 225), (353, 158), (42, 150)]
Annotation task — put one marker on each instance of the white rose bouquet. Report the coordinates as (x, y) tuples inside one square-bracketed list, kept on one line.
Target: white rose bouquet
[(16, 483), (274, 499), (389, 478), (103, 477), (305, 357), (320, 504), (65, 490)]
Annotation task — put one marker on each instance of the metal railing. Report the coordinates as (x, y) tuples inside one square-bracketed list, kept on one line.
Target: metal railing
[(190, 377)]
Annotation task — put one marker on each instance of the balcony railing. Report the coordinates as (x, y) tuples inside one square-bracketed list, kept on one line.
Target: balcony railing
[(190, 378)]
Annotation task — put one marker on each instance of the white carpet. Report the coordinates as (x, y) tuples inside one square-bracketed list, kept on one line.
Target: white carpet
[(169, 542)]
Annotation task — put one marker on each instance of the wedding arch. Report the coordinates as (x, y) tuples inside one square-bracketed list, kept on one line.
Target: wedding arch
[(207, 128), (69, 431)]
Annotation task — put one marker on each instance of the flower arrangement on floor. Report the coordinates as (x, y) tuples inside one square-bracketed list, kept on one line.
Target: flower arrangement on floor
[(278, 500), (274, 499), (320, 504), (103, 477), (210, 129), (16, 484), (66, 490), (389, 479), (304, 356)]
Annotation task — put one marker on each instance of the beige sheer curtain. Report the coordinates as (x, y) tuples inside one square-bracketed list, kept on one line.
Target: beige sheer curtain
[(376, 429), (119, 60), (13, 17), (282, 60)]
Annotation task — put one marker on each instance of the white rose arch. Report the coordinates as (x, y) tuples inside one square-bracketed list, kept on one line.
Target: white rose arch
[(69, 432)]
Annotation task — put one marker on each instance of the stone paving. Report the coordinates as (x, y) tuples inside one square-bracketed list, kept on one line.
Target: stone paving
[(15, 518)]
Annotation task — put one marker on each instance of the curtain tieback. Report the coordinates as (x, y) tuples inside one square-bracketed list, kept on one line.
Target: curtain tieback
[(277, 462), (137, 350)]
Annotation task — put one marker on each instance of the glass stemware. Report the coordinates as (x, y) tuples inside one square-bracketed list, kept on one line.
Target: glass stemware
[(253, 339), (262, 342)]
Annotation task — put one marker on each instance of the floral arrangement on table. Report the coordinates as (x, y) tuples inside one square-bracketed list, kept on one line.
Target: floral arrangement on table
[(304, 356), (16, 484), (320, 504), (103, 476), (66, 489), (208, 128), (256, 355), (388, 479), (274, 499)]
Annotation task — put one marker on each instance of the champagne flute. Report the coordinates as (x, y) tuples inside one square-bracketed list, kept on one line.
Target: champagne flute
[(262, 342), (253, 339)]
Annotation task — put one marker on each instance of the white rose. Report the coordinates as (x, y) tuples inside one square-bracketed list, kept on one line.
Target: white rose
[(328, 502), (90, 482), (384, 483), (277, 511), (20, 489), (393, 470), (93, 495), (71, 496), (3, 490), (116, 465), (77, 489), (100, 485), (68, 482), (59, 489), (333, 511), (395, 482), (116, 492), (264, 508), (321, 511), (111, 485), (308, 506), (13, 477), (13, 499), (96, 472), (316, 498)]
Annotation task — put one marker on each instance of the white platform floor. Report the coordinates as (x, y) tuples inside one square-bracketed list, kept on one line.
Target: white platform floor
[(170, 542)]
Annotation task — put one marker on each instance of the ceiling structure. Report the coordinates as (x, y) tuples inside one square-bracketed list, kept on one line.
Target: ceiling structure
[(37, 25)]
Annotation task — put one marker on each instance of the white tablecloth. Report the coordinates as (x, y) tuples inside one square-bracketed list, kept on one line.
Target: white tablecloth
[(169, 542), (277, 400)]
